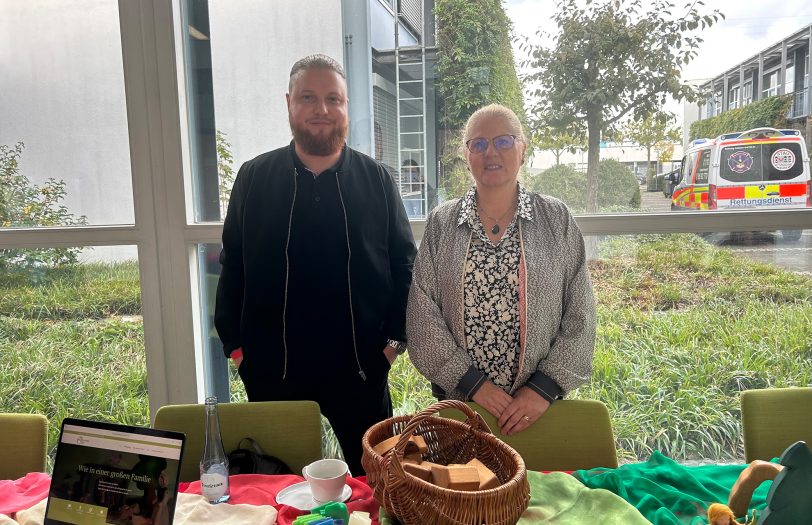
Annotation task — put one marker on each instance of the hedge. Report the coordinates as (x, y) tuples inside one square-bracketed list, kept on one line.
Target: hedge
[(769, 112)]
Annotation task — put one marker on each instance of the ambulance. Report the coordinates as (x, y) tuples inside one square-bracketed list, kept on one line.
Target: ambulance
[(764, 168)]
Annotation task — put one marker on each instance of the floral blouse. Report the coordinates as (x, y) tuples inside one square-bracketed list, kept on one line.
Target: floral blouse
[(491, 282)]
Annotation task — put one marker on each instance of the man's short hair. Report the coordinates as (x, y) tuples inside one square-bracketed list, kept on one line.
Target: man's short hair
[(317, 61)]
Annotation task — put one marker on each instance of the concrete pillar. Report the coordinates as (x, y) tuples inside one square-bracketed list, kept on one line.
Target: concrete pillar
[(355, 16), (809, 83), (782, 75)]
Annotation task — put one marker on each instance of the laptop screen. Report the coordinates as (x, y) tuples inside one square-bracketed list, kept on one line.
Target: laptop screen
[(106, 473)]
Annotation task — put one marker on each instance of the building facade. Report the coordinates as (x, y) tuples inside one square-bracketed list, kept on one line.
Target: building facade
[(781, 69)]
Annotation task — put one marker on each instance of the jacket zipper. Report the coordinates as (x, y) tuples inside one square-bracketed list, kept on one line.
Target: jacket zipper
[(287, 276), (349, 278)]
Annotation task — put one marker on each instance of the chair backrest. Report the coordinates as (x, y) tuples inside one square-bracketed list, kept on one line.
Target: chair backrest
[(289, 430), (573, 434), (773, 419), (23, 444)]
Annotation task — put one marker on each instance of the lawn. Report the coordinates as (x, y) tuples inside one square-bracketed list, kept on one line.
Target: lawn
[(683, 327)]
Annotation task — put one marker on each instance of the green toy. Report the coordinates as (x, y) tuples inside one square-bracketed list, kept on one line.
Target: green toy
[(334, 510)]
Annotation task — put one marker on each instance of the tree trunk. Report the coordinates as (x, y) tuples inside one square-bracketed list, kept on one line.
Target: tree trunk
[(557, 157), (593, 123)]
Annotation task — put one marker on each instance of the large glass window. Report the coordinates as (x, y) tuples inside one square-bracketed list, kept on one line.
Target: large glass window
[(72, 337), (71, 327), (770, 83), (662, 323), (733, 98), (748, 92), (236, 101), (64, 149), (683, 329)]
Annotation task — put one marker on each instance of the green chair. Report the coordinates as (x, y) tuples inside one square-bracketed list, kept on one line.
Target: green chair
[(289, 430), (774, 419), (23, 444), (571, 435)]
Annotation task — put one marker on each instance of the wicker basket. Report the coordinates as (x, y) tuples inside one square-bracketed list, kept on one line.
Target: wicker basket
[(417, 502)]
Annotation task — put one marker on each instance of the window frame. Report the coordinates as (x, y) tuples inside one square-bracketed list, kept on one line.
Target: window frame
[(167, 236)]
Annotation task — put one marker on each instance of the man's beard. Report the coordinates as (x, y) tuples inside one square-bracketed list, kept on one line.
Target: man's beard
[(318, 144)]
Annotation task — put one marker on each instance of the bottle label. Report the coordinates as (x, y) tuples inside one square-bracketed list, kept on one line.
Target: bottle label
[(214, 484)]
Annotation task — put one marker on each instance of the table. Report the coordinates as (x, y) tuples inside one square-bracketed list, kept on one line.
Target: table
[(659, 489)]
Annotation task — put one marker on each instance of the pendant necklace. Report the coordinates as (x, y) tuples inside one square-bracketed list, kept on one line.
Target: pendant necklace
[(495, 230)]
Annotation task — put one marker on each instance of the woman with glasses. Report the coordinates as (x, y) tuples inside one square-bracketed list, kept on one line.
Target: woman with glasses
[(501, 309)]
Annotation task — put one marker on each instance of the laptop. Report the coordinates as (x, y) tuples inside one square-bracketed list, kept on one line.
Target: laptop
[(114, 474)]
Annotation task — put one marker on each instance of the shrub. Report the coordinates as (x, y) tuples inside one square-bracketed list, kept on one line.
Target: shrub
[(618, 189), (23, 204)]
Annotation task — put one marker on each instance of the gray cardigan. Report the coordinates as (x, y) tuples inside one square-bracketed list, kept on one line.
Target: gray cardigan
[(558, 317)]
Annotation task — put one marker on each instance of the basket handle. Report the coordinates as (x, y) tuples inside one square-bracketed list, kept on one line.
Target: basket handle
[(472, 418)]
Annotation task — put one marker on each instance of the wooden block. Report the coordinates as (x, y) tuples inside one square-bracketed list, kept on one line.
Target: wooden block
[(417, 457), (415, 446), (419, 471), (455, 477), (386, 445), (487, 479), (420, 442), (463, 478), (439, 475)]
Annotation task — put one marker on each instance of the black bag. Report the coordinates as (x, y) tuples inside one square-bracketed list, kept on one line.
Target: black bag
[(253, 460)]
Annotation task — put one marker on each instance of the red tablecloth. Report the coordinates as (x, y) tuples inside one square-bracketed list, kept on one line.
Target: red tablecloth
[(252, 489), (259, 489)]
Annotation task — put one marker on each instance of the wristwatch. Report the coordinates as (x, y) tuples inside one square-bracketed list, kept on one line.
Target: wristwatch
[(399, 346)]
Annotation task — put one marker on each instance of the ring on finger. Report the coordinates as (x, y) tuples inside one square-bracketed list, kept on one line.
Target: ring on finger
[(526, 418)]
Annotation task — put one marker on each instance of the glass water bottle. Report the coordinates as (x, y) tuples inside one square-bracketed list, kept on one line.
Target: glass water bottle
[(214, 463)]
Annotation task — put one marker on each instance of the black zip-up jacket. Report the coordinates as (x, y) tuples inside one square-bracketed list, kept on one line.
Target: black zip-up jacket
[(252, 291)]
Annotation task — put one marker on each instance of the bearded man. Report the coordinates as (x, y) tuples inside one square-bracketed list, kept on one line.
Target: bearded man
[(316, 266)]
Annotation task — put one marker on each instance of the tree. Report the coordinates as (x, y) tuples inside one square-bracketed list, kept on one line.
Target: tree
[(475, 67), (665, 150), (557, 141), (225, 172), (655, 129), (23, 204), (610, 60)]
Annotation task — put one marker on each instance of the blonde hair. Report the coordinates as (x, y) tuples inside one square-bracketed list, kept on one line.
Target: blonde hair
[(317, 61), (495, 111), (718, 510)]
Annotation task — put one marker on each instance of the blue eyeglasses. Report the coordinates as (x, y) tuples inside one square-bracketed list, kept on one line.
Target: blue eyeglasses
[(479, 144)]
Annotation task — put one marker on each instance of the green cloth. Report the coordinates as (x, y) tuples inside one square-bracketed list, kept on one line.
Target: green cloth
[(560, 498), (666, 492)]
